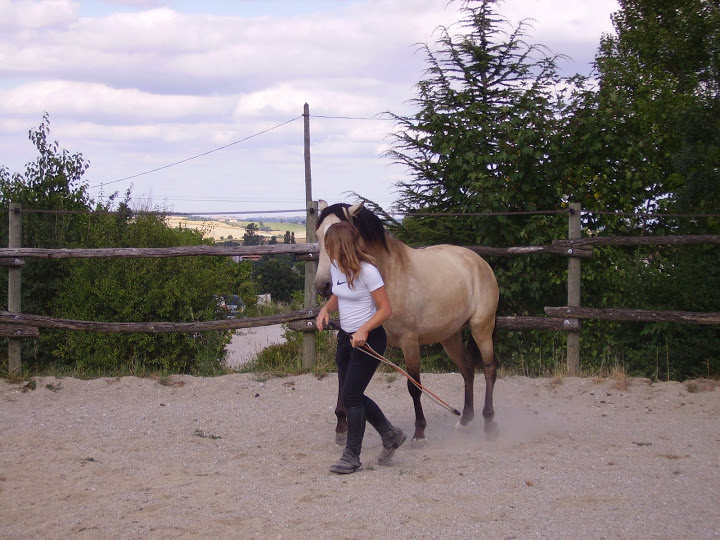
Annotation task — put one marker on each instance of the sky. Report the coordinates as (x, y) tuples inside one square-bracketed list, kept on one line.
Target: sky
[(209, 94)]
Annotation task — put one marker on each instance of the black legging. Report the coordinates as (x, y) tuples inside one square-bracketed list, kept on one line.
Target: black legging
[(356, 369)]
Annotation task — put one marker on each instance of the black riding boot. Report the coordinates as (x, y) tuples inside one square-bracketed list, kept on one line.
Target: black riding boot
[(350, 460), (391, 436)]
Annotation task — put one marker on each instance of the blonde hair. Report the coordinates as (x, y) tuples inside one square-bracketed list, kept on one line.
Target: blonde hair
[(345, 246)]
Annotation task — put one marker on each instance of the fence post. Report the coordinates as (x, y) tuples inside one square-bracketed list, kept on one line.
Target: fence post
[(308, 357), (573, 338), (14, 284)]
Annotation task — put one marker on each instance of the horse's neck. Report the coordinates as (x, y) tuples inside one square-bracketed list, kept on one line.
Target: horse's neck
[(391, 262)]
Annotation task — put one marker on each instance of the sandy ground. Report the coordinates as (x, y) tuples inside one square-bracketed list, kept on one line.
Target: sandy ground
[(242, 457), (246, 343)]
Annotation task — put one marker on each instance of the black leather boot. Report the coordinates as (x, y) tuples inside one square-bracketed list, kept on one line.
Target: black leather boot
[(350, 460), (392, 438)]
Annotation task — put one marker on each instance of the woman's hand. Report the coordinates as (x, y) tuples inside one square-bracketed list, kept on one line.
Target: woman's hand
[(359, 338), (322, 319)]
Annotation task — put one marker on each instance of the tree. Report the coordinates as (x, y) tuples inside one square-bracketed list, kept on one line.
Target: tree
[(182, 289), (52, 182), (289, 238), (663, 69), (141, 290), (497, 129), (484, 138), (278, 276), (251, 236), (658, 110)]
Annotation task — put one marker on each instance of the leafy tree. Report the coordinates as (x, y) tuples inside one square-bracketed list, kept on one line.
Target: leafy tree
[(484, 139), (495, 132), (663, 69), (657, 114), (278, 276), (289, 238), (52, 182), (251, 236), (141, 290), (175, 289)]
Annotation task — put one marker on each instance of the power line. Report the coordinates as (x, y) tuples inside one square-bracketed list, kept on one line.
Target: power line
[(351, 117), (103, 184)]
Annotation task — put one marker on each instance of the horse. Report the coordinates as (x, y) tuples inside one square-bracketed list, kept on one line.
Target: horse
[(434, 291)]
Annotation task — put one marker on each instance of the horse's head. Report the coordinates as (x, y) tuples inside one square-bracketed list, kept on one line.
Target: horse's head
[(368, 224)]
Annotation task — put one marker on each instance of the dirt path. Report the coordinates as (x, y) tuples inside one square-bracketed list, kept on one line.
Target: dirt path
[(246, 343), (237, 457)]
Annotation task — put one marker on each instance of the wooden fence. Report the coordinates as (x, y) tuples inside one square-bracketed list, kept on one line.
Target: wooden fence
[(16, 326)]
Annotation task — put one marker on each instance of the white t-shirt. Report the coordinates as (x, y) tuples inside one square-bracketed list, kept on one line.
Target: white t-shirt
[(356, 305)]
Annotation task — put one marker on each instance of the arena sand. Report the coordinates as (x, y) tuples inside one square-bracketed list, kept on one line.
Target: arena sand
[(241, 457)]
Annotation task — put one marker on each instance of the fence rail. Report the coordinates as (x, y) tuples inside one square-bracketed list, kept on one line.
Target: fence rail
[(13, 320), (637, 315)]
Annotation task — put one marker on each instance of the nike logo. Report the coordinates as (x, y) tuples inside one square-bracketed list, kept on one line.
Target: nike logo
[(341, 283)]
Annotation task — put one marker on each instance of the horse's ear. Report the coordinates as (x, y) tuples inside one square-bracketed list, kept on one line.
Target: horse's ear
[(355, 208), (322, 205)]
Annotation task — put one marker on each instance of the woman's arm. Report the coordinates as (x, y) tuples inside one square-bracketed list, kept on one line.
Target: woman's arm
[(384, 310), (323, 317)]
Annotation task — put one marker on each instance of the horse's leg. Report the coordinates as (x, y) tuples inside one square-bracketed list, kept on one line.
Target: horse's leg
[(464, 361), (484, 340), (411, 351)]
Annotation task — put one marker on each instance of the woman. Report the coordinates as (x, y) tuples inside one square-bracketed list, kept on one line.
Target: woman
[(359, 295)]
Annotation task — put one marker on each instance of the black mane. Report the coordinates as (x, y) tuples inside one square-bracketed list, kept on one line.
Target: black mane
[(370, 226)]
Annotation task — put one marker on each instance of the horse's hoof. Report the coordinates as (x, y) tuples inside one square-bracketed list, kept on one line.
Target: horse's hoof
[(418, 443), (491, 430), (341, 438), (459, 426)]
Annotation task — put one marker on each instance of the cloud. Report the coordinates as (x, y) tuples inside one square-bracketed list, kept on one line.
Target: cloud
[(84, 101), (146, 84), (16, 17)]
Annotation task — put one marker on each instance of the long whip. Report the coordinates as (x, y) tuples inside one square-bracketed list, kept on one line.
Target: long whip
[(367, 349)]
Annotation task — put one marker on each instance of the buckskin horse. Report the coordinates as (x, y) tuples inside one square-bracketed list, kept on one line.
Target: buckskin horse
[(434, 292)]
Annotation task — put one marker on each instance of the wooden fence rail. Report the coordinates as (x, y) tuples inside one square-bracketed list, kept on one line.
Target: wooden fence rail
[(14, 256), (184, 251), (584, 243), (637, 315), (39, 321)]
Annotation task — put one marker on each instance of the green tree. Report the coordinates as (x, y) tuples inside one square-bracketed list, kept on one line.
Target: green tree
[(52, 182), (655, 124), (251, 236), (484, 139), (663, 69), (495, 132), (182, 289), (278, 276), (141, 290)]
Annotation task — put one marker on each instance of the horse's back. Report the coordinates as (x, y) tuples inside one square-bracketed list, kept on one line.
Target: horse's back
[(439, 289)]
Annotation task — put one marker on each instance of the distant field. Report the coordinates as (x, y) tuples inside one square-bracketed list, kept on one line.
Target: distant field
[(224, 229)]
